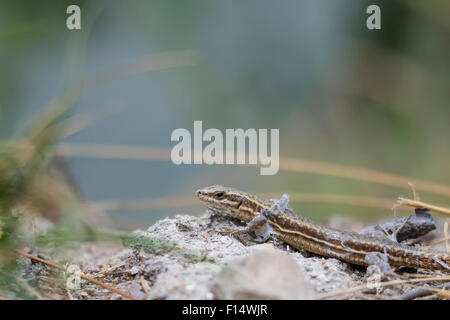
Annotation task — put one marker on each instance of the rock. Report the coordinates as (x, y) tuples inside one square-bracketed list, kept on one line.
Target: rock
[(264, 274), (189, 281), (137, 291)]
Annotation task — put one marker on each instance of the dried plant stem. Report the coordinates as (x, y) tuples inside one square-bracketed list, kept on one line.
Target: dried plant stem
[(81, 275), (286, 164), (419, 204), (190, 201), (362, 174)]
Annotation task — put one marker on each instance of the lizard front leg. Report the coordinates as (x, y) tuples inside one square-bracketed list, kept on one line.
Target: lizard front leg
[(259, 224)]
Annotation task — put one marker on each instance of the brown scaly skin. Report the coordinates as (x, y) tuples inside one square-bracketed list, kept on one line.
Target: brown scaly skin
[(302, 233)]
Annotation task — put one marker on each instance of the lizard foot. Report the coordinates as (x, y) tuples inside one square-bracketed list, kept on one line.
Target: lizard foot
[(380, 261)]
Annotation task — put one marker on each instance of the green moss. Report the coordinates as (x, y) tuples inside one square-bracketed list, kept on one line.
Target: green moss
[(160, 246), (193, 257), (152, 245)]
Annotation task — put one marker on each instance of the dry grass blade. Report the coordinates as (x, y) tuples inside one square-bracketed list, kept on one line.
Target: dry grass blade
[(148, 63), (190, 201), (113, 152), (419, 204), (76, 124), (286, 164), (147, 204), (348, 172)]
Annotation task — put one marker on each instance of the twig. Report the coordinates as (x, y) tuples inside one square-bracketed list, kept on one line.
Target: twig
[(81, 275), (419, 204), (415, 195)]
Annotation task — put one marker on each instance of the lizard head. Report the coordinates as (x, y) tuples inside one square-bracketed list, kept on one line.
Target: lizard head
[(232, 201)]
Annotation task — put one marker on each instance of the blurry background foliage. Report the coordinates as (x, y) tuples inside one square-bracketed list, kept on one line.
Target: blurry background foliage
[(339, 93)]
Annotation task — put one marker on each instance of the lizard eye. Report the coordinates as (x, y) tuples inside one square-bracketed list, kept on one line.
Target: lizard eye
[(220, 195)]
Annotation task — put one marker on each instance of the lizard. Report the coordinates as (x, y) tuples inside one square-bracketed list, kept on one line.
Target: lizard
[(303, 233)]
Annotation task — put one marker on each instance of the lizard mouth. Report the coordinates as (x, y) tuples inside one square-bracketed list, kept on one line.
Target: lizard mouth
[(201, 195), (211, 203)]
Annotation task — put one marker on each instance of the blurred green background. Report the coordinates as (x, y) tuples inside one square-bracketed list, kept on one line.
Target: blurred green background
[(338, 92)]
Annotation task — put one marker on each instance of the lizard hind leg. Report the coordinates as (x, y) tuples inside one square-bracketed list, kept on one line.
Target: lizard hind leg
[(381, 262), (260, 227)]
